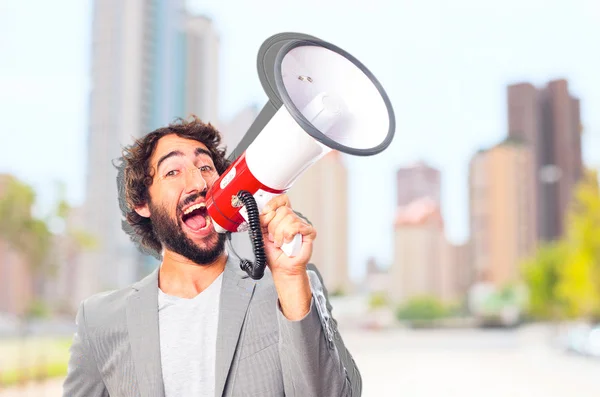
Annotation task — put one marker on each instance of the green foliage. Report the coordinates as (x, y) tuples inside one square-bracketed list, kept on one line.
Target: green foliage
[(563, 277), (15, 376), (579, 284), (31, 358), (38, 309), (541, 273), (378, 300), (19, 228), (31, 236), (82, 239), (422, 308), (63, 208), (337, 292), (509, 296)]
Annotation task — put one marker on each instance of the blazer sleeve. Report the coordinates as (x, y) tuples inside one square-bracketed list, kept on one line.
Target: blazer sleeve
[(83, 377), (314, 360)]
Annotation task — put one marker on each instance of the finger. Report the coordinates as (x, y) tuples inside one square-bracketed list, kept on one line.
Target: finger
[(284, 217), (289, 227), (276, 202), (307, 232), (266, 218), (273, 226)]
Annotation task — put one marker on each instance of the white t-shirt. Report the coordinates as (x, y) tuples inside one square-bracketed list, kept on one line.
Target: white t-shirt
[(188, 341)]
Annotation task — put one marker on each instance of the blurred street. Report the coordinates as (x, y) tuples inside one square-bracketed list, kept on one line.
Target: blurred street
[(470, 363), (461, 362)]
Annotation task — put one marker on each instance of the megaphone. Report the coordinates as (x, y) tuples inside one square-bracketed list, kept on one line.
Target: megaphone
[(321, 98)]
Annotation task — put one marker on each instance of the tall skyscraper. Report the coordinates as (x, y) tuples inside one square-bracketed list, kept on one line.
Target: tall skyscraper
[(144, 54), (502, 219), (419, 249), (417, 181), (425, 263), (548, 119), (201, 69), (455, 276), (321, 194)]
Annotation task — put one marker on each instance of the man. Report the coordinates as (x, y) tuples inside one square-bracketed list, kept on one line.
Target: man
[(198, 325)]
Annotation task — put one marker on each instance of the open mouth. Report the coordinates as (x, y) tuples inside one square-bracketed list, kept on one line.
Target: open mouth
[(196, 217)]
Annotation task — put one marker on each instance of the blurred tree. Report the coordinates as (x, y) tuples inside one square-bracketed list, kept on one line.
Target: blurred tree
[(563, 278), (31, 236), (338, 292), (77, 240), (422, 309), (25, 234), (541, 274), (22, 231), (579, 279)]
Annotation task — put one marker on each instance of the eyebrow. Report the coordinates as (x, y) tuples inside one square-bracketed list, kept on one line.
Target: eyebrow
[(179, 153)]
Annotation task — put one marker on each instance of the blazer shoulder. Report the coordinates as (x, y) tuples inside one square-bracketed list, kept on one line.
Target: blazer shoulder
[(106, 308)]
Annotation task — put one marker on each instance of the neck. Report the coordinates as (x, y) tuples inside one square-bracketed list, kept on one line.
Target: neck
[(179, 276)]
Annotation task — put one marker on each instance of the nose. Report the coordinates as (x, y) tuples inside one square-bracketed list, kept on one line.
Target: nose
[(194, 182)]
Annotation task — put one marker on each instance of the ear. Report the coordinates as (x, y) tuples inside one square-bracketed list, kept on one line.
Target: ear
[(143, 210)]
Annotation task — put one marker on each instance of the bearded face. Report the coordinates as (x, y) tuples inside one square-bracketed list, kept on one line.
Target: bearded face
[(183, 172), (170, 231)]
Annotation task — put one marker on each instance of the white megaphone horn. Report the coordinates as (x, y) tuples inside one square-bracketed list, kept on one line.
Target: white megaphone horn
[(320, 99)]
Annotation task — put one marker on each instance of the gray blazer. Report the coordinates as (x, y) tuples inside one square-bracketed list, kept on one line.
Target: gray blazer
[(116, 349)]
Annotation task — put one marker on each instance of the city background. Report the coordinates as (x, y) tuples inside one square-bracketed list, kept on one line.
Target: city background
[(464, 260)]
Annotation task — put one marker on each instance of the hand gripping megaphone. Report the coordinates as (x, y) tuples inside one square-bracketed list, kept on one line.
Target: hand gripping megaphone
[(320, 99)]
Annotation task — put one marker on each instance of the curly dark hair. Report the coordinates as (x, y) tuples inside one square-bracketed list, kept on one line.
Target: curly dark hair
[(135, 176)]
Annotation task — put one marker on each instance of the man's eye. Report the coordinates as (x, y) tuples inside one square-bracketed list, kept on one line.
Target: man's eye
[(171, 173), (206, 168)]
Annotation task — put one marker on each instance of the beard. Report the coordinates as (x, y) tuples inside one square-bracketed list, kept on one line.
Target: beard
[(170, 233)]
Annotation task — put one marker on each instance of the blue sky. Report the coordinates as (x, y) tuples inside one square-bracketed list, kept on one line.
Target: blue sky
[(445, 66)]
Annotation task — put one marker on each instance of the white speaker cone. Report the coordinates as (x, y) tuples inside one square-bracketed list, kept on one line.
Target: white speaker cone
[(308, 70), (285, 144)]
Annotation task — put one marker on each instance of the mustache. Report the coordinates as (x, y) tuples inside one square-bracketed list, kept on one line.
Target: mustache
[(190, 199)]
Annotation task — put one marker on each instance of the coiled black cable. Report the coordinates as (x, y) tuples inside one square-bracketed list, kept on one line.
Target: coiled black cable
[(255, 270)]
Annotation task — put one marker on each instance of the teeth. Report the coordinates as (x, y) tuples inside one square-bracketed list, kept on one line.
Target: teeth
[(194, 207)]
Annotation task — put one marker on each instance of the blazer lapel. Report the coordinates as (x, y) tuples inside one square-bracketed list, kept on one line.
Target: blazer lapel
[(142, 324), (236, 292)]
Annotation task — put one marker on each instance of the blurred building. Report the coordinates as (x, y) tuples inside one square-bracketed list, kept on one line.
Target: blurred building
[(548, 119), (200, 86), (376, 278), (150, 62), (455, 272), (425, 262), (417, 181), (321, 194), (502, 216), (419, 250)]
